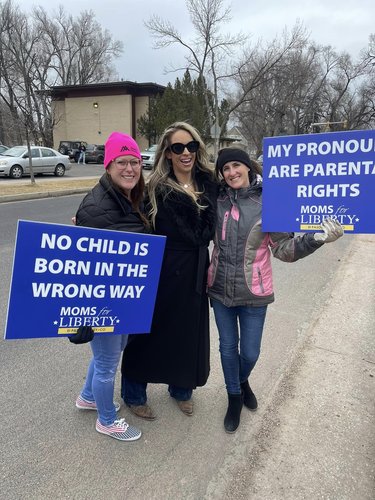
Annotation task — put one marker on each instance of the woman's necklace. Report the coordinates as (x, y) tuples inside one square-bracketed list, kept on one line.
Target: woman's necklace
[(186, 185), (189, 187)]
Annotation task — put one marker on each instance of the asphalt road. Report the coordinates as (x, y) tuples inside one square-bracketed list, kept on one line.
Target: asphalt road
[(51, 450)]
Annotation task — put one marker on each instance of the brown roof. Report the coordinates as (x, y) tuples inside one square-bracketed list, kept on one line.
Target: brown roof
[(111, 88)]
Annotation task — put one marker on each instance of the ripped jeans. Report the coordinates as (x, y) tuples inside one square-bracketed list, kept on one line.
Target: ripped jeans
[(101, 374)]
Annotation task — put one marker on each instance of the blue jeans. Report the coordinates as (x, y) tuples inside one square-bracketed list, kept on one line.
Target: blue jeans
[(100, 379), (134, 393), (82, 157), (237, 364)]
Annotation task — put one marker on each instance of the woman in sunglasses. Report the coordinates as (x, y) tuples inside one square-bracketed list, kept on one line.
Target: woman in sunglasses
[(182, 206)]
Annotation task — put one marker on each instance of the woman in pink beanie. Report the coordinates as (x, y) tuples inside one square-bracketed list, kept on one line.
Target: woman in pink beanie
[(118, 145), (116, 203)]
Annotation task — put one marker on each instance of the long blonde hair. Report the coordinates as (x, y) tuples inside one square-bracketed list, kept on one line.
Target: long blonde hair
[(161, 174)]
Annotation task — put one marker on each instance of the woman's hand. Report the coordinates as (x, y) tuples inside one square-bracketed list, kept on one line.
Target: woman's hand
[(84, 334), (332, 231)]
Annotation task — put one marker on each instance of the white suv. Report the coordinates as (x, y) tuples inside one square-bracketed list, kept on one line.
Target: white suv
[(148, 157)]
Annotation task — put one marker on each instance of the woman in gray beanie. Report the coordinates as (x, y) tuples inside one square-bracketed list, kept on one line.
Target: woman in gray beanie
[(240, 273)]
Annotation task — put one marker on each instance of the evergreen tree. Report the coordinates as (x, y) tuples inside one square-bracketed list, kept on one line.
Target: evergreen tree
[(185, 101)]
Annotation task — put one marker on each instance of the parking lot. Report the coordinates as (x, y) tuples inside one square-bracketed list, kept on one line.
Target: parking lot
[(77, 171)]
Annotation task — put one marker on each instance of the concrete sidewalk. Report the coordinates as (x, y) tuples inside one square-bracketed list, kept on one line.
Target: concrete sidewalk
[(317, 438)]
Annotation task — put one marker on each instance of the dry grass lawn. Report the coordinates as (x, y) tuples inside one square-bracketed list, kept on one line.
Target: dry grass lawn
[(45, 186)]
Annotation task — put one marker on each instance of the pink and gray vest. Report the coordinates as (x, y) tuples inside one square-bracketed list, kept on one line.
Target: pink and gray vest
[(240, 273)]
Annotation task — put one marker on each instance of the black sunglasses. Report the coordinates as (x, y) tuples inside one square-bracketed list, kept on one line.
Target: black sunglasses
[(178, 148)]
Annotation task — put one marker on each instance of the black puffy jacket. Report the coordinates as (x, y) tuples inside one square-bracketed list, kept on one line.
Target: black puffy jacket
[(105, 207)]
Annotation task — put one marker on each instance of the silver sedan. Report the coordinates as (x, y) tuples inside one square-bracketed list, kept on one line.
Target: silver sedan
[(14, 162)]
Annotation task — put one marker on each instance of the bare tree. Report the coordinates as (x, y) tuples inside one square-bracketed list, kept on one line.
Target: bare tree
[(361, 106), (310, 85), (261, 72), (77, 50), (224, 60), (208, 53), (19, 46), (278, 88), (40, 51)]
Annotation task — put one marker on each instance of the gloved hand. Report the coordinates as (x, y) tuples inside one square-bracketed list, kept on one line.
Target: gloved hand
[(332, 231), (84, 334)]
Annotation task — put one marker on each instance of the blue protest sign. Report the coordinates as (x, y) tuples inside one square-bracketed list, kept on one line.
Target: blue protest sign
[(307, 178), (70, 276)]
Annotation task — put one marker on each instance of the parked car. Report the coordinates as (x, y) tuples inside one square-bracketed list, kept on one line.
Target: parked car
[(71, 148), (94, 153), (148, 157), (3, 148), (15, 162)]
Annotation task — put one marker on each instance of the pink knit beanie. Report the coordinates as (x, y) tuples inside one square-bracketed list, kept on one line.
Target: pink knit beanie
[(119, 144)]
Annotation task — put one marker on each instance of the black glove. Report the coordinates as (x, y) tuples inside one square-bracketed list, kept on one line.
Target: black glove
[(84, 334)]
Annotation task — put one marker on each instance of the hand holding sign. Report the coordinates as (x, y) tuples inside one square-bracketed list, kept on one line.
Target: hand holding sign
[(332, 231), (84, 334)]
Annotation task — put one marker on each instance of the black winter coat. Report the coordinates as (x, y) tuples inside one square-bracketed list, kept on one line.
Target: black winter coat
[(176, 351), (105, 207)]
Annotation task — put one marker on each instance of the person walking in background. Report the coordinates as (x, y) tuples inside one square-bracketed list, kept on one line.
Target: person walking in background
[(116, 203), (240, 275), (181, 204), (82, 154)]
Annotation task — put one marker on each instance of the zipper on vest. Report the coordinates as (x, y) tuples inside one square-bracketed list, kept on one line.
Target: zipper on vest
[(260, 280), (224, 228)]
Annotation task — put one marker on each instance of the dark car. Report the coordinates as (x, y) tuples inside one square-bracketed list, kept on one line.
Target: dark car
[(71, 148), (94, 153)]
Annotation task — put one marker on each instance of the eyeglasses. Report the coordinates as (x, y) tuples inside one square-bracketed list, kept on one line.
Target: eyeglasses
[(122, 164), (178, 148)]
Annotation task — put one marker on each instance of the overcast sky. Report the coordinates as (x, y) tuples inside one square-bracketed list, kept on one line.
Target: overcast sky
[(343, 24)]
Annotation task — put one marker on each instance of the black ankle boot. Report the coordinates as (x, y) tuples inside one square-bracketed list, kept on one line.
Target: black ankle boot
[(232, 417), (249, 399)]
